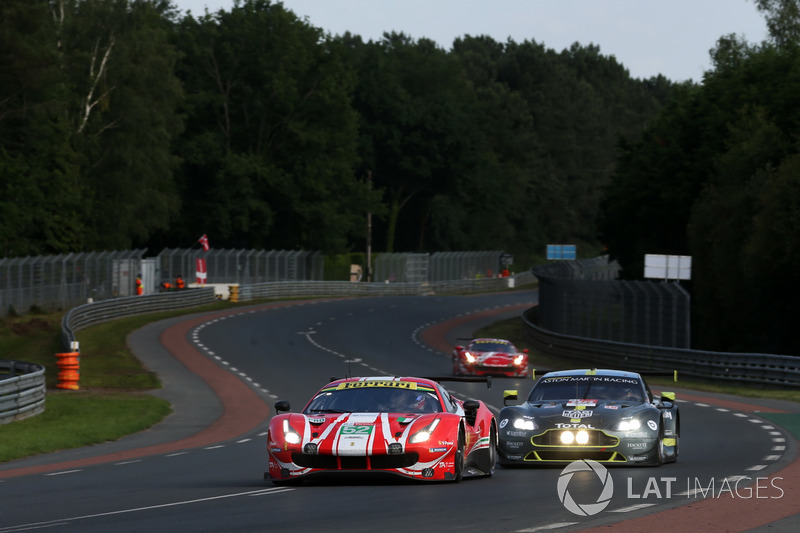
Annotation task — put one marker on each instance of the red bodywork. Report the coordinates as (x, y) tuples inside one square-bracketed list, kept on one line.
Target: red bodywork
[(490, 357), (440, 439)]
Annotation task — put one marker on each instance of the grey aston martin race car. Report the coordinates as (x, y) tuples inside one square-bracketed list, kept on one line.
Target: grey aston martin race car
[(609, 416)]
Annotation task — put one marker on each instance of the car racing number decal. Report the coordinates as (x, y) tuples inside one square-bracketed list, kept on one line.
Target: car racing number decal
[(350, 429)]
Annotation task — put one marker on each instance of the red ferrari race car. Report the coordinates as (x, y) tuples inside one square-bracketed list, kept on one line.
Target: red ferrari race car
[(482, 357), (404, 426)]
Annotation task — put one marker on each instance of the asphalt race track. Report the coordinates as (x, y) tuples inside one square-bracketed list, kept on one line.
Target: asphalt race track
[(202, 469)]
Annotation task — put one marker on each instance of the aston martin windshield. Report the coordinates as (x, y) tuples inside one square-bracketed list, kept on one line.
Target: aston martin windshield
[(588, 387), (375, 397)]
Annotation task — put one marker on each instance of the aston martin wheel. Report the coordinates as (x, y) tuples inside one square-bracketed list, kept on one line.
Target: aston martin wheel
[(661, 455)]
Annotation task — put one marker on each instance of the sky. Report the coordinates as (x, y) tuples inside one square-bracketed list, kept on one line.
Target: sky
[(648, 37)]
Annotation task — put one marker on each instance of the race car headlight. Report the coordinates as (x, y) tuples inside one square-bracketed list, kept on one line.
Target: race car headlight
[(579, 437), (290, 435), (524, 423), (470, 357), (628, 425), (518, 359), (424, 434)]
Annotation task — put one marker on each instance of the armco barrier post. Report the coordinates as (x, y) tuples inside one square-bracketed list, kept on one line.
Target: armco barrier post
[(68, 370)]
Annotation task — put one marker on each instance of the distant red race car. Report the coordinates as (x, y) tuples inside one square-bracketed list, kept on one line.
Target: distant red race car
[(497, 357), (404, 426)]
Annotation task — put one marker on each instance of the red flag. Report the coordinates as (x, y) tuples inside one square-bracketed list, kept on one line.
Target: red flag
[(204, 242), (201, 272)]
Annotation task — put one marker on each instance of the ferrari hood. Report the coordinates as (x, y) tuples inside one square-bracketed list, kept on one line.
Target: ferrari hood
[(358, 433)]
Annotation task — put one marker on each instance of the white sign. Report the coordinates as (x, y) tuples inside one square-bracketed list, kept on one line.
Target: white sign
[(668, 266)]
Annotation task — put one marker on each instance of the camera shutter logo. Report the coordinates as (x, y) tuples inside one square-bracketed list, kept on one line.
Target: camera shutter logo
[(587, 509)]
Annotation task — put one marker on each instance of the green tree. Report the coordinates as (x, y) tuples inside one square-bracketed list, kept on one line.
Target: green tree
[(715, 177), (122, 108), (270, 145), (39, 199)]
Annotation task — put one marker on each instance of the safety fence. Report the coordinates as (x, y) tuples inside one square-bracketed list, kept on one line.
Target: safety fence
[(581, 298), (22, 390), (343, 288), (60, 282), (439, 266), (241, 266), (94, 313), (767, 370), (97, 312), (594, 268)]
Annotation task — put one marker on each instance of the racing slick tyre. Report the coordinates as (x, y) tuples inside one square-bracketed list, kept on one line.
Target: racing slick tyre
[(666, 453), (490, 456), (458, 467), (660, 448)]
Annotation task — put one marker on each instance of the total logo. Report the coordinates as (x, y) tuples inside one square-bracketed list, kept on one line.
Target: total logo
[(591, 508)]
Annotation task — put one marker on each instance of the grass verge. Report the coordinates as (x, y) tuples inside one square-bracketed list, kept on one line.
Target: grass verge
[(112, 401)]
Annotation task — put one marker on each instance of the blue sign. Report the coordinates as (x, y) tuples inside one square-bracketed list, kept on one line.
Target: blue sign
[(562, 251)]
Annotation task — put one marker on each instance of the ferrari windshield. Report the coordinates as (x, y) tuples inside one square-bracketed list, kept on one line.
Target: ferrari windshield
[(490, 346), (375, 397), (588, 387)]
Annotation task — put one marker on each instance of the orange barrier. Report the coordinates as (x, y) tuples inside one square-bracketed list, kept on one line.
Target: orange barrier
[(68, 370)]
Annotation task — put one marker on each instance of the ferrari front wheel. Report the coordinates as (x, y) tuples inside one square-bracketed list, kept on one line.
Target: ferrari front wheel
[(491, 453), (458, 460)]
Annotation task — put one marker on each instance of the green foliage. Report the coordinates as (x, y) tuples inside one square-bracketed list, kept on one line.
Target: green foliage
[(271, 137), (715, 177), (125, 124), (337, 267), (75, 419)]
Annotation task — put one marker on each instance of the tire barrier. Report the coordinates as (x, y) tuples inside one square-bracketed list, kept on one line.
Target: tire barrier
[(69, 374)]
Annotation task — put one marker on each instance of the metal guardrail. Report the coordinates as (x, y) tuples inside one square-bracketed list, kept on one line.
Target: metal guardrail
[(293, 289), (20, 401), (776, 371), (97, 312), (22, 390), (93, 313)]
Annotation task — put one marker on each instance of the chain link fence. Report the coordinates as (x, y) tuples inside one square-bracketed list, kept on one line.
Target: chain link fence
[(241, 266), (440, 266), (62, 281), (581, 299)]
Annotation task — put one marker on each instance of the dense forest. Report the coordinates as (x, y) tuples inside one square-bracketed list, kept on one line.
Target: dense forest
[(124, 123)]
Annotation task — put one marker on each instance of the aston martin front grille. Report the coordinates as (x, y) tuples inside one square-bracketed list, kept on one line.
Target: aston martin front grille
[(597, 438), (575, 455)]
